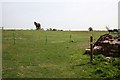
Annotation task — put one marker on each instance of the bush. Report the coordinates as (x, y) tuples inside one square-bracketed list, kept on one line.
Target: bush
[(54, 29), (90, 29)]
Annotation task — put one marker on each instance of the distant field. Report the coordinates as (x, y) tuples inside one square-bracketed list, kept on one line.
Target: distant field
[(49, 54)]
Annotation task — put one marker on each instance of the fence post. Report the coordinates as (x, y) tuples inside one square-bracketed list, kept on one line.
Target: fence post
[(14, 38), (46, 39), (91, 49), (2, 28), (70, 37)]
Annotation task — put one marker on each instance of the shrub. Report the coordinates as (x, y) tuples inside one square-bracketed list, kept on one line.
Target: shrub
[(90, 29), (54, 29)]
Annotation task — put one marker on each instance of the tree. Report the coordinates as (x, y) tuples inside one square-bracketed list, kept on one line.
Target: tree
[(50, 29), (38, 26), (90, 29), (107, 28), (54, 29)]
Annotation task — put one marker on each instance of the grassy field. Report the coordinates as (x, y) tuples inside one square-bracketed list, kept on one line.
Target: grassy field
[(51, 54)]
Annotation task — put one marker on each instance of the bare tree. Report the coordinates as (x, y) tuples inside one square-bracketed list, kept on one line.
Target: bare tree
[(109, 30)]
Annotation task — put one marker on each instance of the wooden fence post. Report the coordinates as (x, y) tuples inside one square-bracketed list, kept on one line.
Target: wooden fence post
[(70, 37), (91, 49), (14, 38), (46, 39), (2, 28)]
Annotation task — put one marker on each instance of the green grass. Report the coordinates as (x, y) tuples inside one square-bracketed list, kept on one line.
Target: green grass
[(34, 56)]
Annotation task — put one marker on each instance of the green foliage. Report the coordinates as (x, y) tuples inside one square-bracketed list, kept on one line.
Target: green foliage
[(116, 62), (98, 71), (99, 58), (106, 69)]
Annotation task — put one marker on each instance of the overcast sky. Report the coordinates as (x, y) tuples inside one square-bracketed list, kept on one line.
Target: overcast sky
[(59, 14)]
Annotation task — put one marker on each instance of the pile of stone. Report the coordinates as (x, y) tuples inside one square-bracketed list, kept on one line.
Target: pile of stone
[(106, 45)]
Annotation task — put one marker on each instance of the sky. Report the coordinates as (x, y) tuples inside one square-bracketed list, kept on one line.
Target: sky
[(59, 14)]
